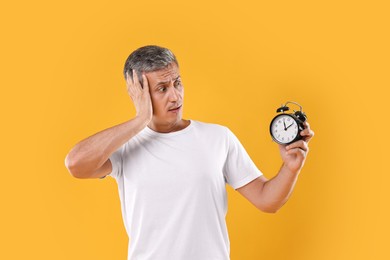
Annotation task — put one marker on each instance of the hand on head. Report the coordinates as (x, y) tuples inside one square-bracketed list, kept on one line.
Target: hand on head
[(140, 95)]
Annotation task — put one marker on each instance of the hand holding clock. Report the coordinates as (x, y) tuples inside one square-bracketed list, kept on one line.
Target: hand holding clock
[(294, 154)]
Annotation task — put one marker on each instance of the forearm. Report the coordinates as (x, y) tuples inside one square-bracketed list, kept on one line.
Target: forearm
[(277, 190), (92, 152)]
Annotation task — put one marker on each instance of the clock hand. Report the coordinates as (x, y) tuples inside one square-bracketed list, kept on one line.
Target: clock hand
[(289, 126), (284, 125)]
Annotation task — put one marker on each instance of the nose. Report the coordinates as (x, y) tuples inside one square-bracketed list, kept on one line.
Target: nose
[(173, 95)]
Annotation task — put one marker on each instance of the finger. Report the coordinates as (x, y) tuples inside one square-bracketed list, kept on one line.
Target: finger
[(131, 89), (282, 148), (137, 82), (133, 85), (307, 134), (297, 151), (145, 83), (129, 81), (298, 144), (127, 78), (135, 77)]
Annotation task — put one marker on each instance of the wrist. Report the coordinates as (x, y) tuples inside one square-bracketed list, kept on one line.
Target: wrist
[(143, 120), (290, 171)]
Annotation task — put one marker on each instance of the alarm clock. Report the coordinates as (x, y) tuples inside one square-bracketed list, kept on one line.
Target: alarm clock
[(285, 128)]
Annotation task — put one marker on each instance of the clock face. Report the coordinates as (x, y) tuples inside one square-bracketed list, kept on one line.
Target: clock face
[(284, 129)]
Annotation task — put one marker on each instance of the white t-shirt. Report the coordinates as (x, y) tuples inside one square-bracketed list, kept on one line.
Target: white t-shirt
[(172, 191)]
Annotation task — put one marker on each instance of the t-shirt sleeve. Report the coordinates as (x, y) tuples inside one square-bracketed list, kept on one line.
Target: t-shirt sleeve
[(116, 163), (239, 169)]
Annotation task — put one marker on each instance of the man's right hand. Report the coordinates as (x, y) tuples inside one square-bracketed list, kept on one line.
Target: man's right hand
[(140, 96), (90, 157)]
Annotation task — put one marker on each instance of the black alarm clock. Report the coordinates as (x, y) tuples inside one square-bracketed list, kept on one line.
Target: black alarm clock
[(285, 128)]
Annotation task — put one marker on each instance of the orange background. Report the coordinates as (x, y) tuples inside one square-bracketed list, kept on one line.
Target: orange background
[(61, 81)]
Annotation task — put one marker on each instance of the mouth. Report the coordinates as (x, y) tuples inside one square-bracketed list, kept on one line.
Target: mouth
[(176, 109)]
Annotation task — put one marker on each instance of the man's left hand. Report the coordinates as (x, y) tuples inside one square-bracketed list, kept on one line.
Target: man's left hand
[(294, 154)]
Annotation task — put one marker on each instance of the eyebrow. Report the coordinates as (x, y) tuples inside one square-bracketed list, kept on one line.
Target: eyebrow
[(165, 82)]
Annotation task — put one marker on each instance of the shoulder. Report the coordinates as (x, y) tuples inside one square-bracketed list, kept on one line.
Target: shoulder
[(210, 127)]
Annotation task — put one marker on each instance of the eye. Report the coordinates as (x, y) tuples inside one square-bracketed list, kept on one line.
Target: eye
[(177, 83), (162, 89)]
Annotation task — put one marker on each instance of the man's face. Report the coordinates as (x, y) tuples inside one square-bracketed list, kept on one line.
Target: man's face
[(166, 92)]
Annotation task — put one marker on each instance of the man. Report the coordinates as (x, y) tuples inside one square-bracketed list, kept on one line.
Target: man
[(171, 172)]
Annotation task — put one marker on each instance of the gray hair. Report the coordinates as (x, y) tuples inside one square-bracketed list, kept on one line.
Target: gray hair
[(148, 58)]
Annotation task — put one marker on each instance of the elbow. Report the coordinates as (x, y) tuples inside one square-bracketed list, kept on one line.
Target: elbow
[(268, 209), (271, 211), (72, 168)]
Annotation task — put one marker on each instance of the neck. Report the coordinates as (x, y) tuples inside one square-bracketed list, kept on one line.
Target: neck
[(168, 127)]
